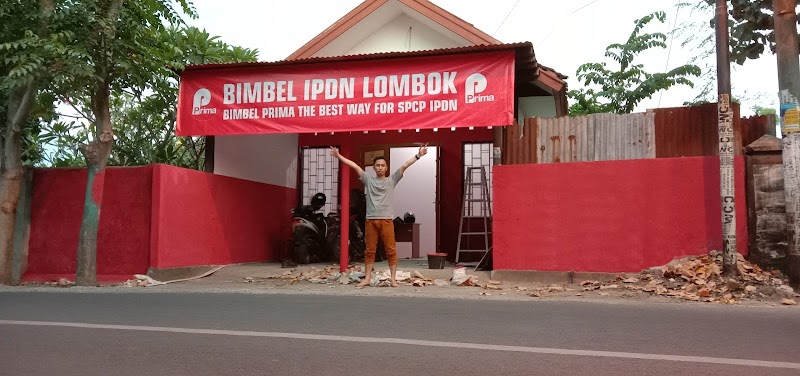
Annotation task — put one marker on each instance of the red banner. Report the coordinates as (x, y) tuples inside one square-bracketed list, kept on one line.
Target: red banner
[(408, 93)]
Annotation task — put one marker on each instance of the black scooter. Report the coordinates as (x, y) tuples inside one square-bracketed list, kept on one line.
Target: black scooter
[(310, 232), (357, 246)]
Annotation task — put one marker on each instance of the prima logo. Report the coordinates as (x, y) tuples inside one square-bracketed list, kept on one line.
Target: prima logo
[(202, 97), (475, 85)]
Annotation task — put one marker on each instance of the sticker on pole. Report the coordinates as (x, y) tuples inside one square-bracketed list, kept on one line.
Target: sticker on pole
[(790, 114)]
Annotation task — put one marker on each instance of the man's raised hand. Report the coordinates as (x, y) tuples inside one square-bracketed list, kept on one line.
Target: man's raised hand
[(423, 149), (334, 152)]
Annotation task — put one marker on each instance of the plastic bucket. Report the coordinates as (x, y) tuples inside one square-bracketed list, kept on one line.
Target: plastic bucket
[(459, 272), (436, 260)]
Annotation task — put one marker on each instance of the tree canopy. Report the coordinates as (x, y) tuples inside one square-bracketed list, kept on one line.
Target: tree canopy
[(625, 85)]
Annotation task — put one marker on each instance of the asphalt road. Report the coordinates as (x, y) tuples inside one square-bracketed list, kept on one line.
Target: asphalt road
[(259, 334)]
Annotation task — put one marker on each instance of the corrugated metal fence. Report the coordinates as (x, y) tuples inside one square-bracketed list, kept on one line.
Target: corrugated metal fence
[(662, 133), (692, 131)]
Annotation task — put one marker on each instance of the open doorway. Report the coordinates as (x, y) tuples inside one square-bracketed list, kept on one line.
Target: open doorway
[(417, 192)]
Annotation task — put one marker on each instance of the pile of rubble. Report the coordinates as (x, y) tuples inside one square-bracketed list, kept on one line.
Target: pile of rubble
[(701, 279), (355, 274)]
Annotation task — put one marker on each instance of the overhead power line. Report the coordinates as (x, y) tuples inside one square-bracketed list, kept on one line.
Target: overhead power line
[(507, 15)]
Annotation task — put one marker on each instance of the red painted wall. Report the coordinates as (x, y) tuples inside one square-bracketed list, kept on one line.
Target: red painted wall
[(204, 219), (617, 216), (451, 165), (155, 216), (123, 239)]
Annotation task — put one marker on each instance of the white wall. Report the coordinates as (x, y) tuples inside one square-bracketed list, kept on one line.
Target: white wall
[(270, 159), (395, 36), (535, 107)]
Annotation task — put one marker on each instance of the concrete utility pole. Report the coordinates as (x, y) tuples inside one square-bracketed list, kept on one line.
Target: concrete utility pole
[(725, 131), (789, 91)]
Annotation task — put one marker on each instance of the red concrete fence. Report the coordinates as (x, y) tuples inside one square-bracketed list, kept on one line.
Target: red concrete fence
[(205, 219), (155, 216), (610, 216)]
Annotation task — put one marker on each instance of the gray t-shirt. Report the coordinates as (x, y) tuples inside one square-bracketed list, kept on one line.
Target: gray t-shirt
[(380, 194)]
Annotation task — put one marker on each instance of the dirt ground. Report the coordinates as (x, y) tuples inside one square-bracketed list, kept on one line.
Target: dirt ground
[(693, 280)]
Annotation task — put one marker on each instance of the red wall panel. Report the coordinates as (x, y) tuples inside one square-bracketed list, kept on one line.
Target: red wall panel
[(205, 219), (123, 238), (617, 216)]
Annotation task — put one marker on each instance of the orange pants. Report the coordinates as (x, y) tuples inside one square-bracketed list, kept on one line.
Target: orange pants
[(385, 229)]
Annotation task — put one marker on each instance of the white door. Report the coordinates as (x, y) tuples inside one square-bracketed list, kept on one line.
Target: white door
[(416, 193)]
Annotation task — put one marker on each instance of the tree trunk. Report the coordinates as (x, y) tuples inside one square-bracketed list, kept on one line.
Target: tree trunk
[(19, 106), (20, 102), (96, 154)]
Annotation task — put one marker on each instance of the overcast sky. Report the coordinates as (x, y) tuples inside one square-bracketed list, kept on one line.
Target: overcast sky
[(564, 33)]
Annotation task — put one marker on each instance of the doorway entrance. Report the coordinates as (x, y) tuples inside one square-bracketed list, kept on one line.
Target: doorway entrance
[(416, 193)]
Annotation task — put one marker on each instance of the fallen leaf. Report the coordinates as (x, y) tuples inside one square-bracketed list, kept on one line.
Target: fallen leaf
[(587, 283), (788, 302), (702, 272), (493, 282), (692, 297), (534, 294), (602, 293), (700, 282), (630, 280), (469, 281), (733, 285), (750, 289), (727, 296), (417, 274), (740, 268), (608, 287), (704, 292)]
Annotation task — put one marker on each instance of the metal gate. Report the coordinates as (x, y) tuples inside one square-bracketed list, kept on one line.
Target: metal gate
[(320, 173)]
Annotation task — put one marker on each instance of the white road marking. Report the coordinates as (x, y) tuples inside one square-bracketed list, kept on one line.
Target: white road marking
[(414, 342)]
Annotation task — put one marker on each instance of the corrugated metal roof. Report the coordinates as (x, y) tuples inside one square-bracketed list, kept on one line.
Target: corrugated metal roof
[(524, 54)]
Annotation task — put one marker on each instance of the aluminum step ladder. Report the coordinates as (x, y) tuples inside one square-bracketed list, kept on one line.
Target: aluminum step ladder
[(475, 207)]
